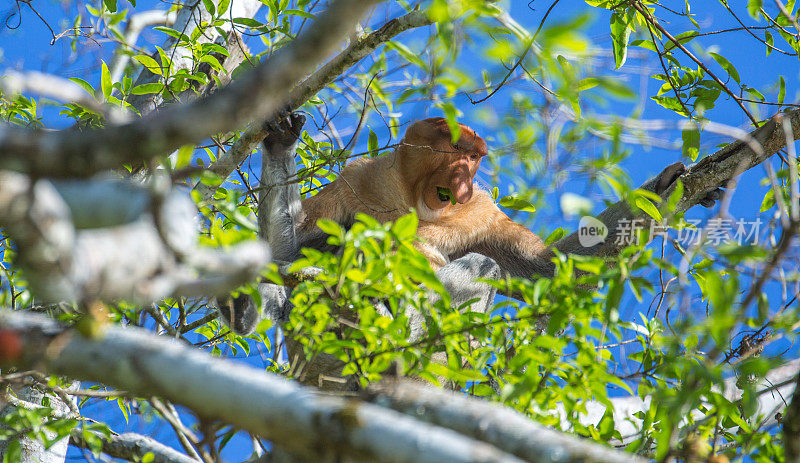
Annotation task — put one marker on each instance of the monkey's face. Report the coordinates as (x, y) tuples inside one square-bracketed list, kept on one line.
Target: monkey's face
[(439, 171)]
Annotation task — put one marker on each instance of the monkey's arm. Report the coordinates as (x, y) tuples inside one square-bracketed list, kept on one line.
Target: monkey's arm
[(520, 253), (280, 210), (279, 213)]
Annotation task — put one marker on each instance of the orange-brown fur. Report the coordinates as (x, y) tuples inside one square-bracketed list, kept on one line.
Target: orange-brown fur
[(388, 186)]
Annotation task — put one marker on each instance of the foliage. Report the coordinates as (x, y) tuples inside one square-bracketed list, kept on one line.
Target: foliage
[(672, 325)]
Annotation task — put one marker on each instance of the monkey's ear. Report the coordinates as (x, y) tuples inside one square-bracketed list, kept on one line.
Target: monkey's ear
[(240, 313)]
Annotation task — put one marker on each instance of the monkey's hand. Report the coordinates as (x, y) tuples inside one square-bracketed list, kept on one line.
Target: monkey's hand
[(284, 130), (673, 172)]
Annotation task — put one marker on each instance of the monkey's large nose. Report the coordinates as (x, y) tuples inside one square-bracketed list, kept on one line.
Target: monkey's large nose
[(461, 185), (463, 192)]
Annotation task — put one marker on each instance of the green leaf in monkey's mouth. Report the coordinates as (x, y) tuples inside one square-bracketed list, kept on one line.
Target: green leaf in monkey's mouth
[(445, 194)]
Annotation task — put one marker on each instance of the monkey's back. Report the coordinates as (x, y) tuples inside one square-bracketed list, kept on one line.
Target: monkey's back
[(368, 185)]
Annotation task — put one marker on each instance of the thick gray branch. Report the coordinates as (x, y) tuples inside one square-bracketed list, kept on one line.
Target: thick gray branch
[(132, 447), (292, 416), (502, 427), (743, 154), (707, 175), (312, 85), (255, 96), (136, 255)]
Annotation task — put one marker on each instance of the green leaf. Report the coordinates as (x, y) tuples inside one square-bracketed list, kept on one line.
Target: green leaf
[(620, 33), (111, 5), (330, 227), (145, 89), (754, 7), (13, 453), (682, 39), (767, 202), (566, 67), (675, 196), (648, 207), (587, 83), (647, 44), (450, 114), (691, 141), (105, 80), (781, 89), (758, 95), (173, 33), (407, 54), (184, 156), (455, 375), (149, 63), (516, 203), (406, 226), (249, 22), (446, 194), (222, 8), (372, 143), (301, 13), (616, 88), (209, 5), (84, 85), (769, 40), (215, 48), (556, 235), (214, 62), (726, 65), (670, 103)]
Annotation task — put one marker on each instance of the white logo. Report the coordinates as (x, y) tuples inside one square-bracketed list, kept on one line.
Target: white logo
[(591, 231)]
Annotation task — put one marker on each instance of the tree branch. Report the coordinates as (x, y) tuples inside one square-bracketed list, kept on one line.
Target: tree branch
[(255, 96), (743, 154), (292, 416), (132, 447), (312, 85), (710, 173), (502, 427), (145, 251)]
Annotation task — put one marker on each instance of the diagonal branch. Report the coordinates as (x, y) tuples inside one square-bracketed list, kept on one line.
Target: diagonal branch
[(315, 426), (312, 85), (712, 172), (499, 426), (255, 96), (133, 447), (108, 240)]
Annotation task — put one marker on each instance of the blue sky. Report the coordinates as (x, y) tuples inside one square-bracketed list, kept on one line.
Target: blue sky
[(29, 47)]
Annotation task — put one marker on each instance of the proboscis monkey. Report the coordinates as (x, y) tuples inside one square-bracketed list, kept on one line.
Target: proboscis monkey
[(465, 235), (436, 177)]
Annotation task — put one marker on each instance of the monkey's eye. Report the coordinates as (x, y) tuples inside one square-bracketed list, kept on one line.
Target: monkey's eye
[(474, 156)]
